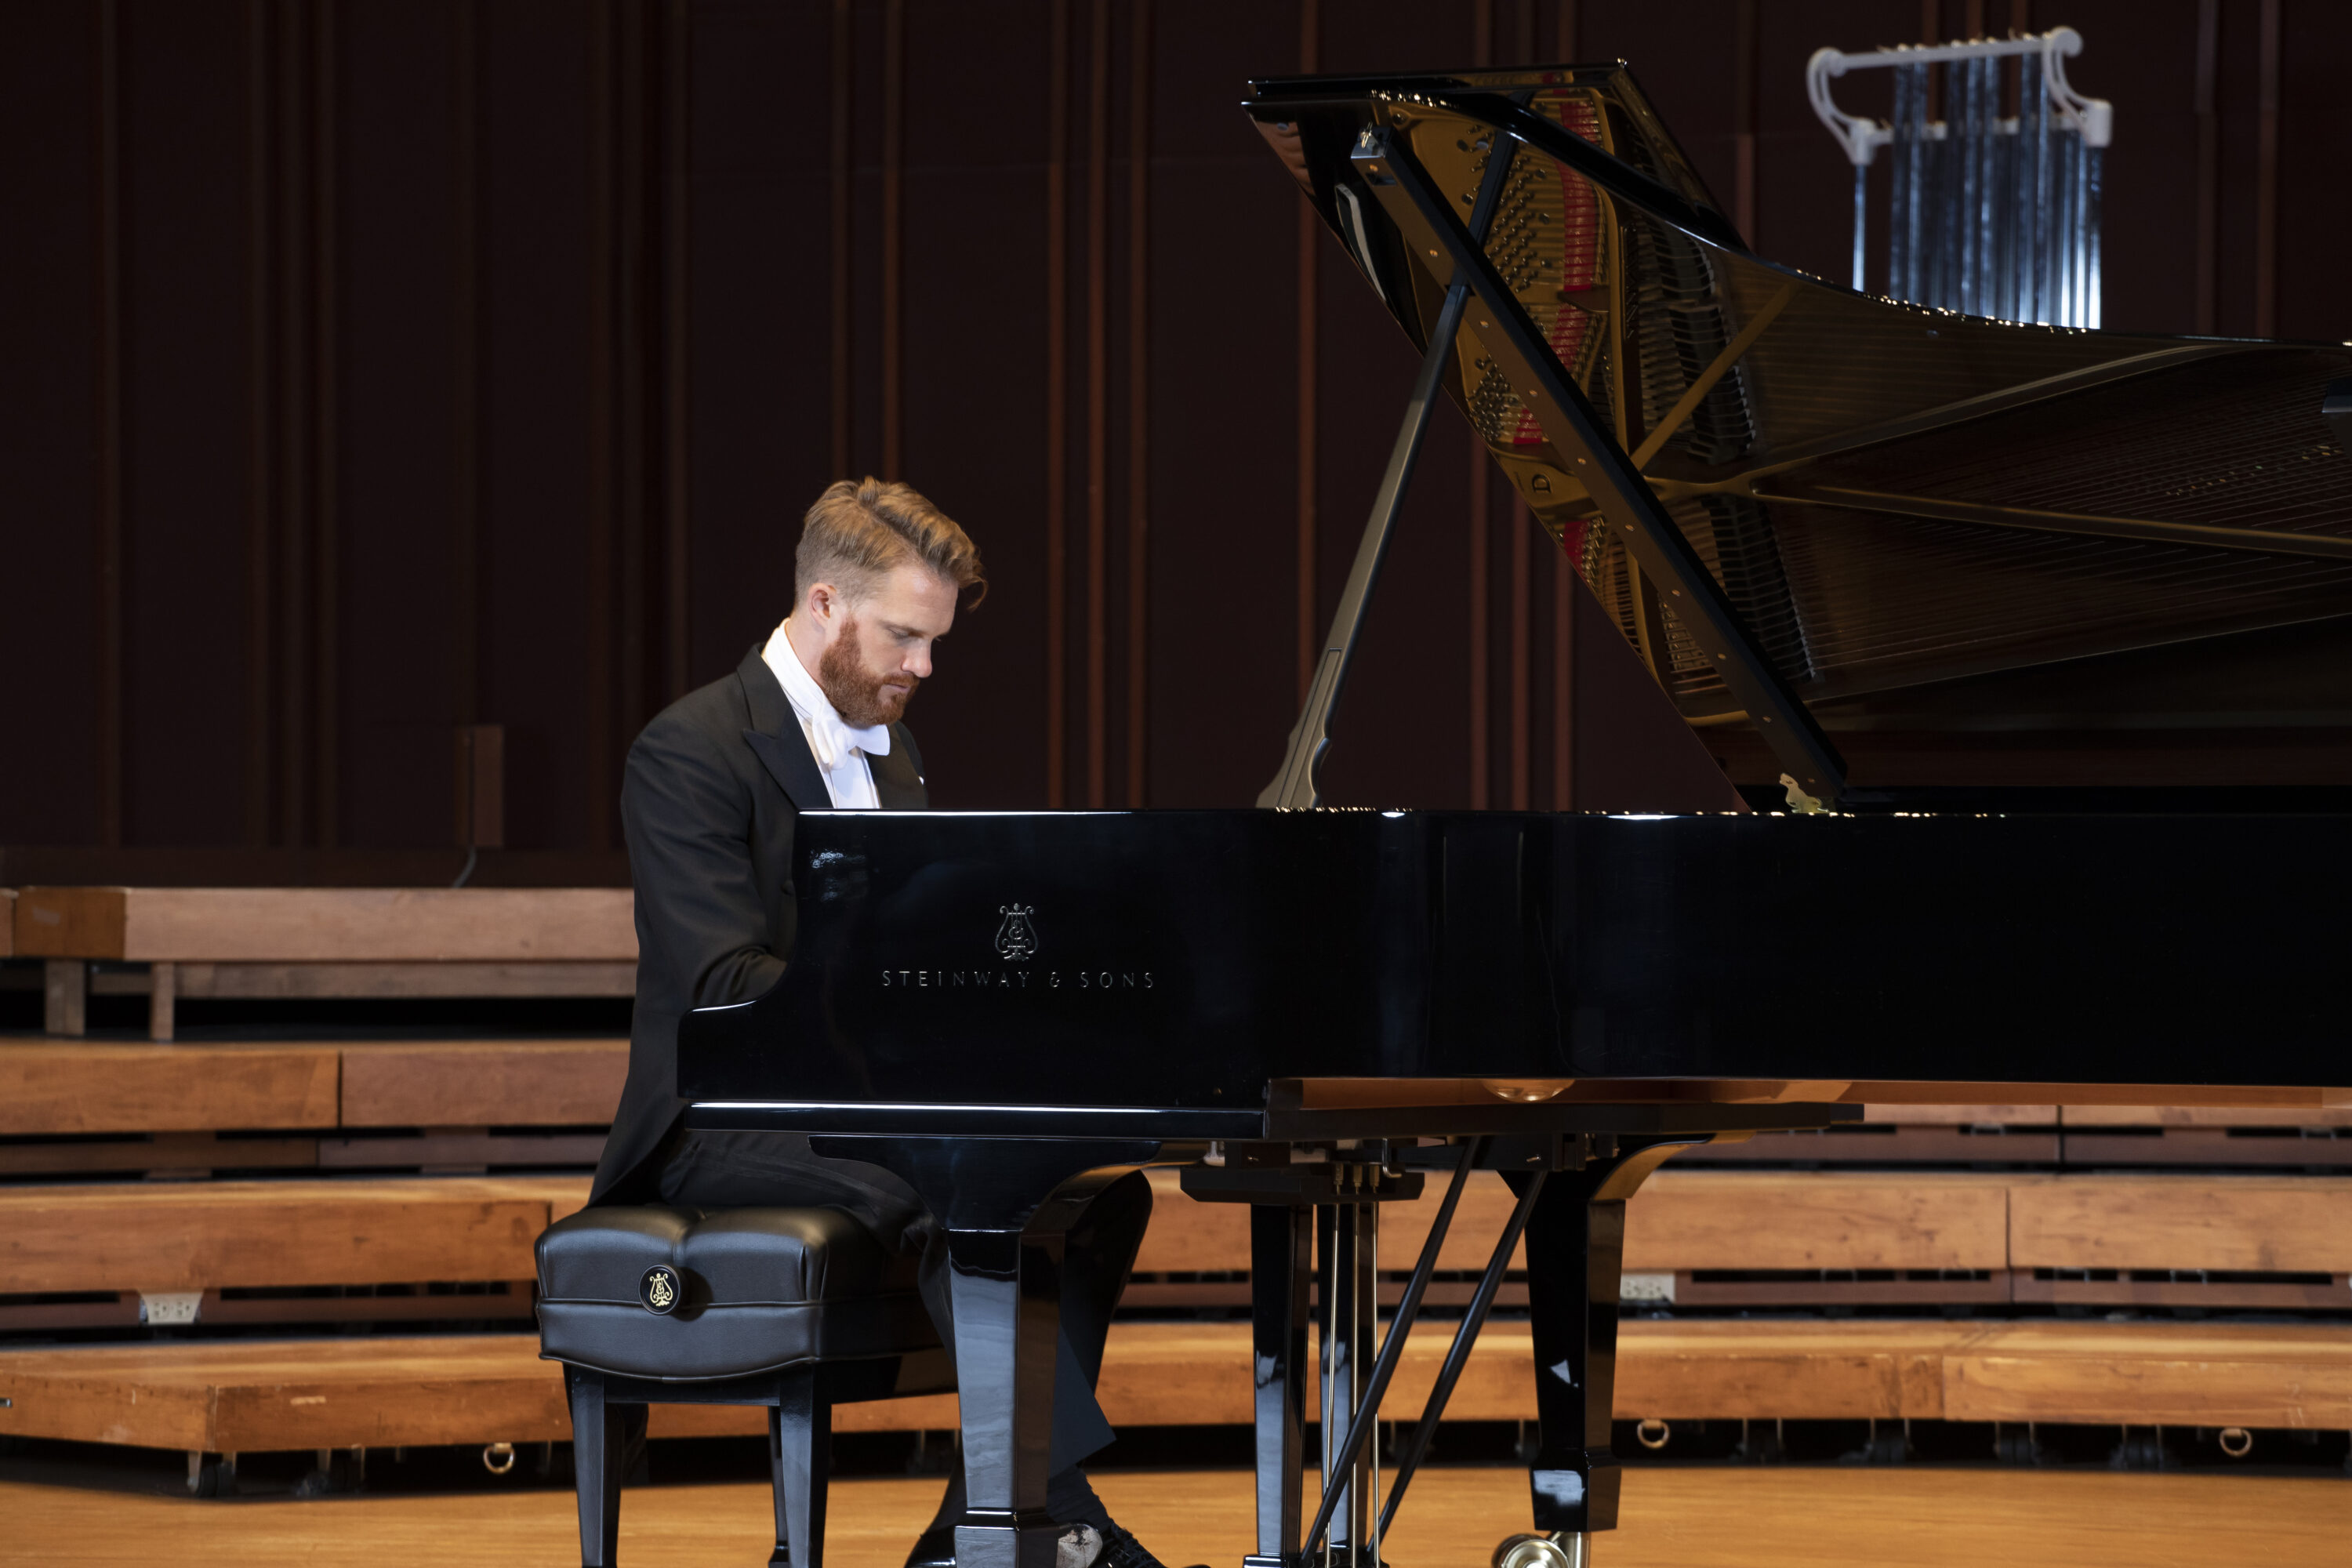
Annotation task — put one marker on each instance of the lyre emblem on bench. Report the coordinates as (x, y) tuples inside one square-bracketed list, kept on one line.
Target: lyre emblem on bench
[(1016, 939), (660, 1289)]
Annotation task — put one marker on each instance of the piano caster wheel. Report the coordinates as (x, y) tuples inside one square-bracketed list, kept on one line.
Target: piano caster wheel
[(2142, 1448), (1561, 1548), (212, 1476)]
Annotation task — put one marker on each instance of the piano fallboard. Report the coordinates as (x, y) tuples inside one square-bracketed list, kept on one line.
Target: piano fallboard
[(1246, 967)]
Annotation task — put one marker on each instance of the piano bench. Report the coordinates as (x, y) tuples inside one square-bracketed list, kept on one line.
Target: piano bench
[(795, 1309)]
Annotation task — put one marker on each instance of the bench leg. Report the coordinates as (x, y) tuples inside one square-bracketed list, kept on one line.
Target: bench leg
[(800, 1442), (605, 1440), (65, 997)]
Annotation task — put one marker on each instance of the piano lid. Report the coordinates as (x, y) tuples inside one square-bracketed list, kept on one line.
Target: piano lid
[(1888, 496)]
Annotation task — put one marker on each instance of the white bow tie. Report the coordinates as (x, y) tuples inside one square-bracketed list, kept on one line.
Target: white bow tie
[(833, 741)]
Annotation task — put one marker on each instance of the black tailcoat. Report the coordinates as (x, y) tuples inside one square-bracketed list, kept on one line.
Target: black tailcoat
[(713, 789)]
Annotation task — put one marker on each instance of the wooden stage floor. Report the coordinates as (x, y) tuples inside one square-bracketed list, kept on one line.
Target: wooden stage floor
[(1694, 1518)]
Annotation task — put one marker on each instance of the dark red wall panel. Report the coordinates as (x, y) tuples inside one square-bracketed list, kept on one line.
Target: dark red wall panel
[(972, 395), (761, 392), (184, 418), (536, 107), (477, 361), (49, 449), (401, 359), (2314, 249)]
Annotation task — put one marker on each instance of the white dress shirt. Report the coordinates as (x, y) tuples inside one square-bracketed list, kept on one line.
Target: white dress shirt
[(840, 751)]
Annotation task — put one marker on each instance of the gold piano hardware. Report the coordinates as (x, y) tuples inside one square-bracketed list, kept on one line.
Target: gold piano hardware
[(1524, 1091)]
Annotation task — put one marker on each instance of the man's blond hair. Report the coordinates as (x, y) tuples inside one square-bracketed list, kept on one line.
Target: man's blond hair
[(860, 529)]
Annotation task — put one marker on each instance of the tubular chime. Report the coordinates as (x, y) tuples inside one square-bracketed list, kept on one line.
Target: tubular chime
[(1994, 204)]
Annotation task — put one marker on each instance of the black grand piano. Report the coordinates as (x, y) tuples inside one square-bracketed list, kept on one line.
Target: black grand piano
[(1806, 509)]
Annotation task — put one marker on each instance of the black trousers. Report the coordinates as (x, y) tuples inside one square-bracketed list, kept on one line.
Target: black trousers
[(747, 1170)]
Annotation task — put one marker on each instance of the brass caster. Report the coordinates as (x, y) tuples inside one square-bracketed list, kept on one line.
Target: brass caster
[(1561, 1548)]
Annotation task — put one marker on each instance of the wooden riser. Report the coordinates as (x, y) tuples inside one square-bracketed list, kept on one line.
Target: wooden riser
[(1724, 1239), (2252, 1223), (183, 1236), (293, 944), (2331, 1293), (1872, 1144), (2208, 1147), (186, 1156), (125, 1309), (2205, 1148), (325, 925), (48, 1088), (249, 1395), (122, 1311)]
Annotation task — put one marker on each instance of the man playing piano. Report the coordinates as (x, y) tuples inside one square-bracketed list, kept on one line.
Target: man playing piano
[(812, 721)]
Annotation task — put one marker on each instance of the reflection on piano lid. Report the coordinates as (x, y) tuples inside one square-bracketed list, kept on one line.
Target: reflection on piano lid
[(1916, 521)]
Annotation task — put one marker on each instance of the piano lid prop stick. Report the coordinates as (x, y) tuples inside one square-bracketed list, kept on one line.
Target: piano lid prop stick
[(1294, 786), (1368, 1411), (1458, 1355), (1623, 497)]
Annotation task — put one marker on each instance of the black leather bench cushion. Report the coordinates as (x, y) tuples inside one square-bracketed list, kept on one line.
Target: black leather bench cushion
[(764, 1287)]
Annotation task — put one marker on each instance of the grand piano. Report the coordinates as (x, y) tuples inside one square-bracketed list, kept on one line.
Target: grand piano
[(1806, 509)]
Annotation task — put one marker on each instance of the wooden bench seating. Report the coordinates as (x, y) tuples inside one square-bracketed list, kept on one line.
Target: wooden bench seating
[(123, 1253), (1755, 1238), (140, 1108), (51, 1087), (1905, 1134), (196, 1235), (2173, 1240), (1723, 1238), (508, 1083), (290, 942), (2090, 1136), (1697, 1238), (248, 1396), (459, 1249), (48, 1087)]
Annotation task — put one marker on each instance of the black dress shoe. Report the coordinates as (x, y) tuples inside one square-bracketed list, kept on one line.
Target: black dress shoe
[(935, 1548), (1120, 1549)]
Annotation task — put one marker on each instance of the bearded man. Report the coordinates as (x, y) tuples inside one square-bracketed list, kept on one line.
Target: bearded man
[(812, 720)]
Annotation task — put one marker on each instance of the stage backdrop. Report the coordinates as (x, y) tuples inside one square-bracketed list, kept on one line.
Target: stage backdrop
[(378, 369)]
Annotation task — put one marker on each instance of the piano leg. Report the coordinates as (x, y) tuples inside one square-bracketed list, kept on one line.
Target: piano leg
[(1281, 1265), (1576, 1245), (1007, 1203)]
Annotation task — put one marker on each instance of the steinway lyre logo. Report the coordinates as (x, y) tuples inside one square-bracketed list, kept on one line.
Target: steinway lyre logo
[(1016, 939), (659, 1289)]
